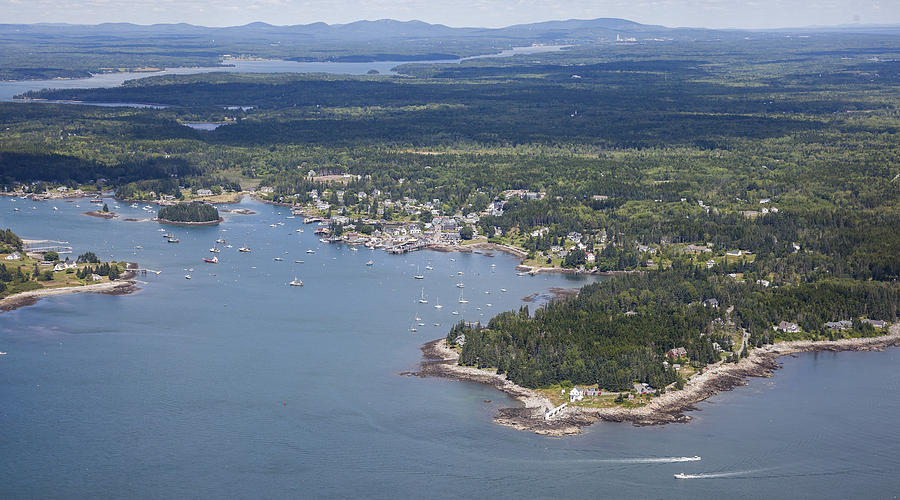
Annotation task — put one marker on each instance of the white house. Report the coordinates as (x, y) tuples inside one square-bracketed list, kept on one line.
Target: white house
[(576, 394), (14, 256), (204, 192), (62, 266)]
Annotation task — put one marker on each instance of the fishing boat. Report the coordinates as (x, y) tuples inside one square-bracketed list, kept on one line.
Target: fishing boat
[(213, 260), (172, 240), (214, 249), (681, 475), (422, 300), (244, 249), (370, 263), (296, 282)]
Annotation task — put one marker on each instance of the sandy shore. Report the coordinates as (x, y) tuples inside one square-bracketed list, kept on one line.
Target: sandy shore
[(123, 286), (440, 361)]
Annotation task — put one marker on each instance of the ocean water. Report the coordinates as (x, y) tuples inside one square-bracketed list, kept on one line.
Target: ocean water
[(235, 385)]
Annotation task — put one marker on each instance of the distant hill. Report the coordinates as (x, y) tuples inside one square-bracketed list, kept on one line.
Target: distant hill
[(53, 50), (360, 30)]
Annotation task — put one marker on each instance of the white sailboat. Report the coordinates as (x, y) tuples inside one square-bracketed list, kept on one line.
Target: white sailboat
[(418, 275), (438, 305), (296, 282), (422, 300), (462, 300)]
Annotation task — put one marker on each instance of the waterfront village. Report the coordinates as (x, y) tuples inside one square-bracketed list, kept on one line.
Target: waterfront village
[(407, 224)]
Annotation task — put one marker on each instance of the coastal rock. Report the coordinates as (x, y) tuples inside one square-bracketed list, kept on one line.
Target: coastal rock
[(671, 407)]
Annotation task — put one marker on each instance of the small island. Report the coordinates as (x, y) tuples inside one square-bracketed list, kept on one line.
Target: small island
[(195, 213), (104, 213)]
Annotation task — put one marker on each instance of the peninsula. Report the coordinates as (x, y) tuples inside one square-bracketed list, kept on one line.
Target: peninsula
[(26, 276), (534, 414)]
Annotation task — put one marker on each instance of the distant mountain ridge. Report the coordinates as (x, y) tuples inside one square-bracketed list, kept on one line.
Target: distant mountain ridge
[(378, 29)]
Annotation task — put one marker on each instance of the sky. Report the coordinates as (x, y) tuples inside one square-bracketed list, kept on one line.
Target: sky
[(481, 13)]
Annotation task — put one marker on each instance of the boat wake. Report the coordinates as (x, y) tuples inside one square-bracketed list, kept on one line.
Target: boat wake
[(651, 460), (717, 475)]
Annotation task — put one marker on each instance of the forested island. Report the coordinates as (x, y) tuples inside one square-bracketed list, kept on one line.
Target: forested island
[(744, 192), (194, 213)]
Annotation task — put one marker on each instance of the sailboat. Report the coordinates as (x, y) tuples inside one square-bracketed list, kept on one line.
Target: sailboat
[(438, 304), (419, 275), (460, 285), (422, 300), (296, 282), (429, 267), (461, 299)]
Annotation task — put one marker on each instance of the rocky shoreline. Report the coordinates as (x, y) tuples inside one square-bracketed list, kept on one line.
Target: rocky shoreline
[(124, 286), (102, 215), (440, 361), (176, 223)]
